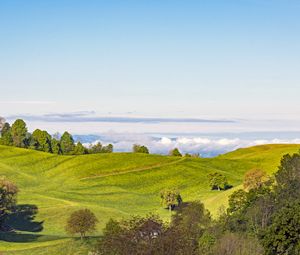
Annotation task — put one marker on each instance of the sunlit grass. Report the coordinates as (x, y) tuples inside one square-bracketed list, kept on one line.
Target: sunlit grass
[(117, 185)]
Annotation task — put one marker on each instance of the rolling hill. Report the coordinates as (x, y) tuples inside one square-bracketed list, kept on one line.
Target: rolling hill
[(111, 185)]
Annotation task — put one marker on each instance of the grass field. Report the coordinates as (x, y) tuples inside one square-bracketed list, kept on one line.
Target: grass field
[(111, 185)]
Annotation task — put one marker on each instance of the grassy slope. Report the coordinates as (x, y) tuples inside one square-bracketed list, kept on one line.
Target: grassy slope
[(116, 185)]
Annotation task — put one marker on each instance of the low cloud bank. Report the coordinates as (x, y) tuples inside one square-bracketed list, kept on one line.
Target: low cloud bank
[(207, 147)]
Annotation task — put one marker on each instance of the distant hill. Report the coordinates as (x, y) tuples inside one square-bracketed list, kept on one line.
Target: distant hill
[(115, 185)]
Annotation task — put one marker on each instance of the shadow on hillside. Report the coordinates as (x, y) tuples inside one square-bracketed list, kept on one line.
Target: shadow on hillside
[(226, 187), (18, 237), (22, 219)]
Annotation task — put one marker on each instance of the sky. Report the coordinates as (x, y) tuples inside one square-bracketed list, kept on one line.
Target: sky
[(62, 61)]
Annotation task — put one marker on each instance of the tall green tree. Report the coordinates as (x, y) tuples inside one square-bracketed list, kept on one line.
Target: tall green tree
[(41, 140), (188, 225), (19, 133), (6, 137), (282, 237), (237, 201), (67, 144), (55, 146)]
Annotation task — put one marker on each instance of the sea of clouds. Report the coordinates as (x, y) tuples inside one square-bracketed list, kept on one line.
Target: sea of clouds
[(205, 146)]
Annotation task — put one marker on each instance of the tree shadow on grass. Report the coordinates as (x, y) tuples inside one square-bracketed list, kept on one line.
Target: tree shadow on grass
[(18, 237), (22, 219)]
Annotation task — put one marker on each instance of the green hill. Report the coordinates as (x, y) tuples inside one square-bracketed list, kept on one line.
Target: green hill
[(112, 185)]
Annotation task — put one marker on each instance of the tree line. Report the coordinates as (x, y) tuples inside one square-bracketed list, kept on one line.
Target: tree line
[(17, 135)]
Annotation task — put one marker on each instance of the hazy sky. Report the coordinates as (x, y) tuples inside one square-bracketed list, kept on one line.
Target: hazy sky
[(167, 58)]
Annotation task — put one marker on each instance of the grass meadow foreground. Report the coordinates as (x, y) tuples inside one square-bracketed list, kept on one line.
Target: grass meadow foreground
[(112, 185)]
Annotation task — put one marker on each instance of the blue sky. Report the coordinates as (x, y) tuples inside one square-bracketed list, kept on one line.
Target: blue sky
[(209, 59)]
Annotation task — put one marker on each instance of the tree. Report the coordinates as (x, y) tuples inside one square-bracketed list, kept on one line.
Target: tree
[(41, 140), (96, 148), (80, 149), (140, 149), (108, 148), (137, 235), (175, 152), (170, 198), (218, 181), (8, 193), (81, 222), (55, 146), (237, 244), (237, 201), (288, 179), (67, 144), (6, 137), (19, 133), (282, 237), (189, 223), (254, 179), (99, 148)]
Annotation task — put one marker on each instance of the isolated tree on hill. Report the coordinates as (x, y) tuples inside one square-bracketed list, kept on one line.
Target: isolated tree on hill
[(67, 144), (140, 149), (81, 222), (19, 133), (254, 179), (170, 198), (217, 181), (175, 152), (6, 137), (8, 193), (80, 149)]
